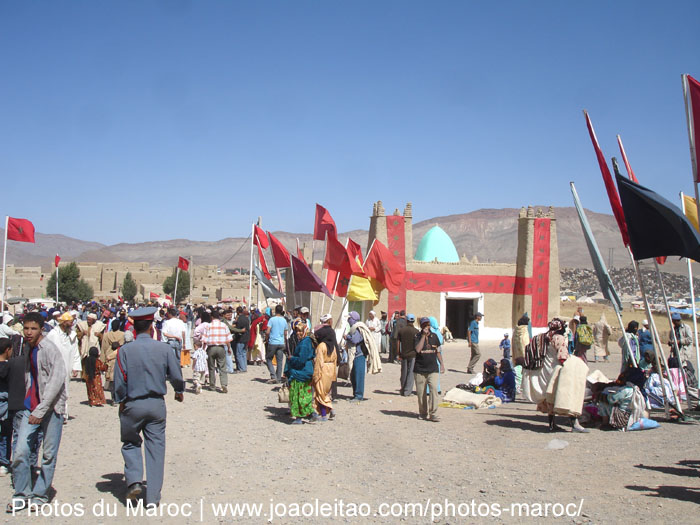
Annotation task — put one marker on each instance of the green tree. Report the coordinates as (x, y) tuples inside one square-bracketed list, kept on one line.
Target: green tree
[(183, 285), (70, 286), (128, 288)]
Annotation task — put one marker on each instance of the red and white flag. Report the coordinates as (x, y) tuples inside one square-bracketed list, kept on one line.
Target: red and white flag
[(20, 230), (56, 260), (692, 89), (183, 263)]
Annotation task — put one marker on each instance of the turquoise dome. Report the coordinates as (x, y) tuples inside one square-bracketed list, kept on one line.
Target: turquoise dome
[(436, 244)]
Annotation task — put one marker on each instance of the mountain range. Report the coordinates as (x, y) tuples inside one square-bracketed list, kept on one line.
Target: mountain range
[(488, 234)]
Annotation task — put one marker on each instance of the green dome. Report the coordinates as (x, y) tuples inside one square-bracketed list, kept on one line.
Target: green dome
[(436, 244)]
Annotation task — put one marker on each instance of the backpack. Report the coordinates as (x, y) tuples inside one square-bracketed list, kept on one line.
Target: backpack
[(584, 335)]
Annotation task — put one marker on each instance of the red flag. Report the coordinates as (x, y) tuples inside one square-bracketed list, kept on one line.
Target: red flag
[(337, 284), (633, 177), (20, 230), (337, 257), (383, 266), (263, 263), (693, 104), (300, 254), (169, 298), (183, 263), (154, 295), (356, 259), (609, 184), (56, 260), (323, 223), (279, 252), (259, 238)]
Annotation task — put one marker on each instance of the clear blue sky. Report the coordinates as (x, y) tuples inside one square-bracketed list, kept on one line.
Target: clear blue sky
[(128, 121)]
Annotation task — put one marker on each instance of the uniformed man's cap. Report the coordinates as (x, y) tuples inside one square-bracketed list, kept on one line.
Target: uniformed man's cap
[(143, 314)]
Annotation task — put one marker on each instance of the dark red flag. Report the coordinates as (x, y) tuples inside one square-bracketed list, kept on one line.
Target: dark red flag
[(259, 239), (183, 263), (20, 230), (693, 102), (56, 260), (305, 280), (323, 223), (154, 295), (383, 266), (609, 184), (279, 252)]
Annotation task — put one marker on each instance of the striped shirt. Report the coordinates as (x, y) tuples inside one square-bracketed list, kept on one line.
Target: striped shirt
[(217, 334)]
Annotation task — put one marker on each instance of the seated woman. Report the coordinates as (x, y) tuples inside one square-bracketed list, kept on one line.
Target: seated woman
[(654, 390), (489, 374), (505, 382)]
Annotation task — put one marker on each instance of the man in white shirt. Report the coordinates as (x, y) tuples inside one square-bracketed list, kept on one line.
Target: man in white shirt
[(173, 331), (375, 327), (65, 338)]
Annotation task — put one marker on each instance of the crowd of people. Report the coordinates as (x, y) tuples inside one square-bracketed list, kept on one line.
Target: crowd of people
[(131, 351)]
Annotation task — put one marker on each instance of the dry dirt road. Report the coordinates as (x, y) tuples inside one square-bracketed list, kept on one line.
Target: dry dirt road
[(376, 461)]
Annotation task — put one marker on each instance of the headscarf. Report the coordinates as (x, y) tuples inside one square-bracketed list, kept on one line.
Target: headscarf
[(505, 366), (353, 317), (326, 334), (300, 323), (556, 326), (436, 329), (91, 362), (490, 366)]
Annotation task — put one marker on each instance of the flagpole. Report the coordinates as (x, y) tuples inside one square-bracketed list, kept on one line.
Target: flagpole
[(4, 267), (323, 299), (57, 285), (691, 139), (250, 272), (177, 276), (593, 247), (692, 298), (675, 338)]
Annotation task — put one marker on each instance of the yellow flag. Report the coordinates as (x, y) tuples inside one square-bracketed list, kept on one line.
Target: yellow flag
[(691, 210), (360, 289)]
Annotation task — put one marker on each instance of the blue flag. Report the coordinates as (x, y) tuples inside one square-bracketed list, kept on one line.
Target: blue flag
[(606, 285)]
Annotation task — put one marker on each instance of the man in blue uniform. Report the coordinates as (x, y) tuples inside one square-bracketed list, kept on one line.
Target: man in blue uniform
[(139, 387)]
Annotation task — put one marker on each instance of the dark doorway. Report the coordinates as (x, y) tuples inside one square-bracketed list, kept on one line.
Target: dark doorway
[(459, 312)]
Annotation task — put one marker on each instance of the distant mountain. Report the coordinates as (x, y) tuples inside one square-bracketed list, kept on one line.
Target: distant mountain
[(488, 234)]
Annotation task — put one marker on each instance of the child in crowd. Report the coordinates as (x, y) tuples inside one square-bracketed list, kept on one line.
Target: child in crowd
[(505, 346), (93, 368), (200, 369)]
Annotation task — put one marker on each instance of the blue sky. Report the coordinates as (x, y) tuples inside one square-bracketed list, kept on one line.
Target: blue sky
[(147, 120)]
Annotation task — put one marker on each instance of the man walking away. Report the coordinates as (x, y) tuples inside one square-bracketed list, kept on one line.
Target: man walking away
[(407, 355), (473, 339)]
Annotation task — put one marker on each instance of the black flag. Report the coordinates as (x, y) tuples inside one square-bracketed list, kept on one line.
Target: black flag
[(656, 227)]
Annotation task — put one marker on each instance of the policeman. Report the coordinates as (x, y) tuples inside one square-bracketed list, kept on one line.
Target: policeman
[(139, 386)]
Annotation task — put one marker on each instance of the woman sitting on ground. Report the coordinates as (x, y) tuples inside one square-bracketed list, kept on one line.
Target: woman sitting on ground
[(505, 382), (489, 374)]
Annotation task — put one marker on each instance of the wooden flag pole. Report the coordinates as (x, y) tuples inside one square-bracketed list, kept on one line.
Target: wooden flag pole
[(675, 340), (4, 267), (692, 299)]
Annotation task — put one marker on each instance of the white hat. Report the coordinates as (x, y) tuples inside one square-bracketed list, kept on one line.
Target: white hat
[(325, 318), (373, 312), (645, 322), (304, 310), (92, 316)]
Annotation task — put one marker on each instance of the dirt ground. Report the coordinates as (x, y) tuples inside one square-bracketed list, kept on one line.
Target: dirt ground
[(378, 458)]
